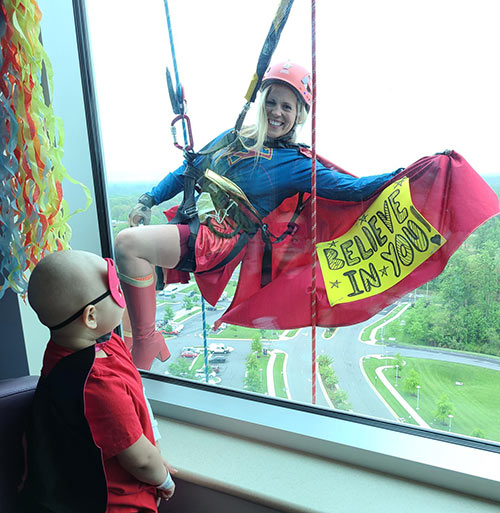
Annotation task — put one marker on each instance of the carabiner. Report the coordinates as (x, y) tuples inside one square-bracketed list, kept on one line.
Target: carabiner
[(189, 146)]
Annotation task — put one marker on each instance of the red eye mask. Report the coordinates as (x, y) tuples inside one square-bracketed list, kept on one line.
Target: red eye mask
[(114, 284), (114, 291)]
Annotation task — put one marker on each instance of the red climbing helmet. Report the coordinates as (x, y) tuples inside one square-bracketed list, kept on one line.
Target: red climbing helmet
[(292, 74)]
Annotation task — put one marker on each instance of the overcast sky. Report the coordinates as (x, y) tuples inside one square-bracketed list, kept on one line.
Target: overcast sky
[(397, 79)]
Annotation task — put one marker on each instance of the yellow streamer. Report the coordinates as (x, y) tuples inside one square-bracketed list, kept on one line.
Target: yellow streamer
[(34, 215)]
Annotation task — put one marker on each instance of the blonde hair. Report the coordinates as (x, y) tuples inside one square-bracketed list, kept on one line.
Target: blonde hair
[(256, 134)]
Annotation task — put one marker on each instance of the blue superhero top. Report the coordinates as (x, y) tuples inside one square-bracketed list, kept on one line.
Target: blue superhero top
[(272, 175)]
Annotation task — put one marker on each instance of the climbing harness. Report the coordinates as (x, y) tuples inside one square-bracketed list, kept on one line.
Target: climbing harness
[(233, 206), (230, 201)]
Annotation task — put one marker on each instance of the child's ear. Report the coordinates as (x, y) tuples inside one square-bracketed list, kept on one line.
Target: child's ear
[(89, 317)]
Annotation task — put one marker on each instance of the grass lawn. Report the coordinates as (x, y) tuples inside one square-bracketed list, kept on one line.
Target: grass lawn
[(199, 362), (191, 313), (476, 404), (370, 364), (262, 362), (292, 333), (279, 382), (366, 333), (189, 288), (397, 331), (231, 288), (161, 301), (241, 332)]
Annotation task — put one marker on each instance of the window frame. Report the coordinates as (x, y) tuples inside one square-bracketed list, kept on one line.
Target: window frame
[(443, 459), (436, 458)]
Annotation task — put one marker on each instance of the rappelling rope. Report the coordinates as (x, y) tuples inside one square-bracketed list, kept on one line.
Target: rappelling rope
[(179, 92), (187, 145), (270, 44), (313, 201)]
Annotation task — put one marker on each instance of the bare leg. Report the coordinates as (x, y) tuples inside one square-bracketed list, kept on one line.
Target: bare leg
[(137, 251)]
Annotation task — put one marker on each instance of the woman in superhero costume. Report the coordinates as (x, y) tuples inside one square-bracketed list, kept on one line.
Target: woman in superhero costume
[(268, 166)]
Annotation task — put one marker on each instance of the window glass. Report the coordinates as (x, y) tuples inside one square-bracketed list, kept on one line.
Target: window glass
[(394, 85)]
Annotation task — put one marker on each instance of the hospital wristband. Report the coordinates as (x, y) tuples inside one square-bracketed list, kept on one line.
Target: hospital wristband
[(167, 484)]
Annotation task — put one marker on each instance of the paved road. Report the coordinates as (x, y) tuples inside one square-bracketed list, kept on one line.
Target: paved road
[(346, 351), (344, 348)]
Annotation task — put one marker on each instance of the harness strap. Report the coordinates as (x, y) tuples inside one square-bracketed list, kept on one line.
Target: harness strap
[(187, 213), (188, 262), (223, 235), (267, 257), (266, 275), (292, 227), (187, 210)]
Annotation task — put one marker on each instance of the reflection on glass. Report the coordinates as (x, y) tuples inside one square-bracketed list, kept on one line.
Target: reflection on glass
[(431, 359)]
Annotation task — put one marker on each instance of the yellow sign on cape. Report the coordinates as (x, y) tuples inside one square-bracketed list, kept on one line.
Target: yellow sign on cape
[(388, 242)]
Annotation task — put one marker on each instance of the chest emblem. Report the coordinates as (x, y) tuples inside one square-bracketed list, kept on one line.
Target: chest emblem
[(266, 153)]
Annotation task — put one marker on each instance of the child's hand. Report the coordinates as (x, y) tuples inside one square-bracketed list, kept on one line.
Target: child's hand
[(165, 494), (167, 489)]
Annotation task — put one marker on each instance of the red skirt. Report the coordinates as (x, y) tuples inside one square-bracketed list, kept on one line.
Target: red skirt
[(210, 250)]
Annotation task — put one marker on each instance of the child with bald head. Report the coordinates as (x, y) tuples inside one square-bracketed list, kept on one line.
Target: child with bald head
[(90, 440)]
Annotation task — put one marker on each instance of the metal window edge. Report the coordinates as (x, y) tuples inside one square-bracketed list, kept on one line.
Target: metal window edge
[(405, 453)]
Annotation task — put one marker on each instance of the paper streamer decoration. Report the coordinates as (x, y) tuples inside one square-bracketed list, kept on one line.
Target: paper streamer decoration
[(33, 213)]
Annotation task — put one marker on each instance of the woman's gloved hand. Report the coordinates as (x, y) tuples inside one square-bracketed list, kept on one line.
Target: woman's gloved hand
[(141, 212)]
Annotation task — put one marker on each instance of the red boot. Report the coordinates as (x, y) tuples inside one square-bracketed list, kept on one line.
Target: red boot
[(127, 330), (148, 344)]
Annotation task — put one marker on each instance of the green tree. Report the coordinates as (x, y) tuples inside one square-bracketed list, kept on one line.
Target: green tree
[(411, 381), (256, 345), (444, 407), (257, 336), (397, 359), (252, 380), (182, 368), (168, 314), (417, 322), (329, 378), (478, 433), (251, 362), (340, 400), (324, 360), (187, 303), (457, 284)]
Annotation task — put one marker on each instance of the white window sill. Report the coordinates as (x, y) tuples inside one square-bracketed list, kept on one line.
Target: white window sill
[(298, 461)]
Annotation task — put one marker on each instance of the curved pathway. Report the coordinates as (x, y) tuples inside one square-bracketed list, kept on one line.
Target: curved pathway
[(346, 350)]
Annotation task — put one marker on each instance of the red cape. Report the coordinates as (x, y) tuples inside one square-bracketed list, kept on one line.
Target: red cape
[(445, 190)]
